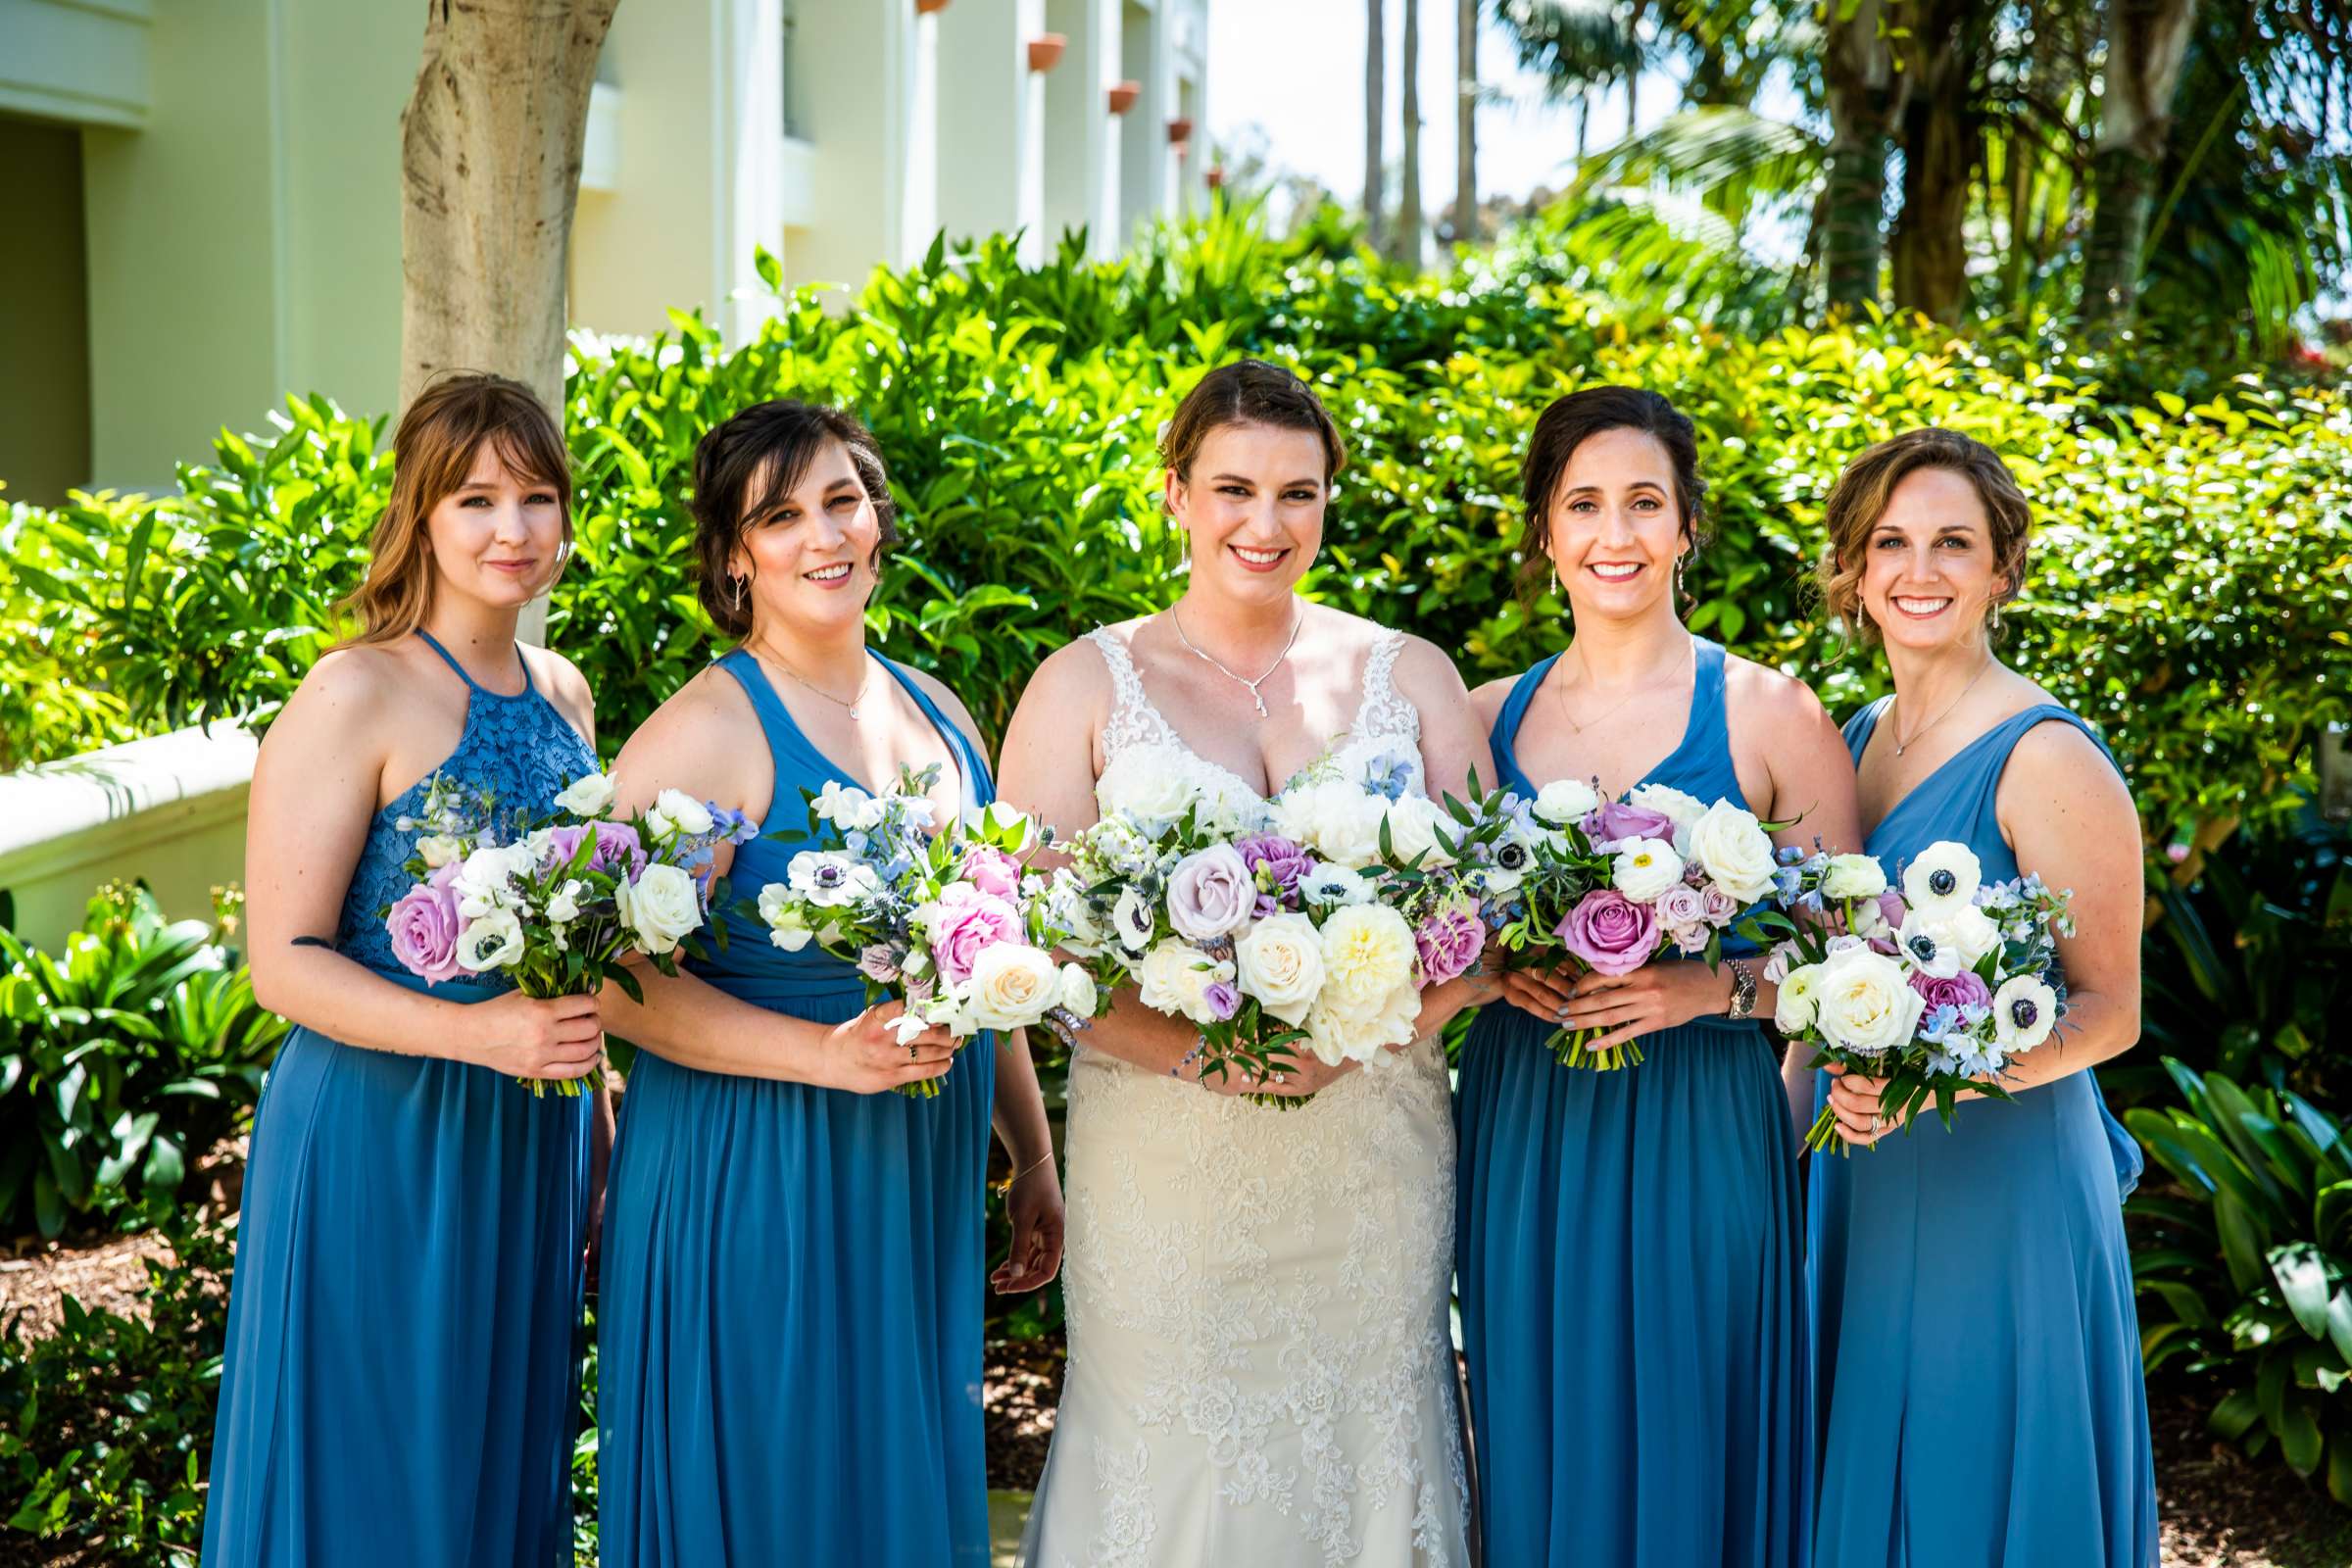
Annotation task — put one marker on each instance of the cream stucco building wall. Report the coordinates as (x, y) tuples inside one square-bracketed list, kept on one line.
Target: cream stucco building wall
[(235, 163)]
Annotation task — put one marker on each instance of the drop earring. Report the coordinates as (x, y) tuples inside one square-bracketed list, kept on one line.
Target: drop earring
[(737, 579)]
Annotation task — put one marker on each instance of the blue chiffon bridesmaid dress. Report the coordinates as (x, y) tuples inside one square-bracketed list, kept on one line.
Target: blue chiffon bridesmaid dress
[(400, 1384), (1981, 1393), (790, 1315), (1630, 1270)]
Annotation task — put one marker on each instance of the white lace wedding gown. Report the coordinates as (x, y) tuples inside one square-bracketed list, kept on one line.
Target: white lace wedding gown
[(1260, 1368)]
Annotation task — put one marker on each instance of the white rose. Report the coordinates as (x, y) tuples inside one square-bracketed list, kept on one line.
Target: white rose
[(676, 812), (1734, 849), (1800, 1000), (1280, 961), (1645, 869), (564, 906), (2024, 1012), (664, 904), (1175, 976), (437, 849), (1853, 876), (1142, 782), (1973, 931), (1415, 822), (1336, 1033), (1865, 1004), (1078, 992), (1012, 985), (1367, 952), (491, 942), (1943, 878), (1680, 809), (1567, 800), (590, 794), (1338, 821)]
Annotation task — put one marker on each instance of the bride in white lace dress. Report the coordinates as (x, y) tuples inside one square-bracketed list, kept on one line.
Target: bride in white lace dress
[(1260, 1368)]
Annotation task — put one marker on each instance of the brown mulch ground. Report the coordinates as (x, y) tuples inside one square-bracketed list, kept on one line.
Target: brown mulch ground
[(2220, 1511)]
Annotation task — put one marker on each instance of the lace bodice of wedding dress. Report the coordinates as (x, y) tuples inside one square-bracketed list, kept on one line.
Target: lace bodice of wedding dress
[(1260, 1366)]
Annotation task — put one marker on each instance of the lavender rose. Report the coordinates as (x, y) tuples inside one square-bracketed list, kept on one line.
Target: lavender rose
[(967, 926), (1721, 907), (1963, 989), (1683, 913), (425, 926), (617, 845), (1211, 893), (878, 963), (1619, 820), (1449, 943), (1609, 931), (991, 870)]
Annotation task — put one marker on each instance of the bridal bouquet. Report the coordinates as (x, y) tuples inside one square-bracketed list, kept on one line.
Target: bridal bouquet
[(1312, 922), (1933, 989), (1607, 885), (952, 922), (557, 902)]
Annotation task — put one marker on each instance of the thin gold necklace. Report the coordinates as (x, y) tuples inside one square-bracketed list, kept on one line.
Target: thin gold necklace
[(1901, 745), (1298, 620), (852, 705), (1560, 694)]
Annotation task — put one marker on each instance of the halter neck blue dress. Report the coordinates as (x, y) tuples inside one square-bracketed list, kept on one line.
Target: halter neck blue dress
[(400, 1384), (1980, 1395), (790, 1313), (1630, 1274)]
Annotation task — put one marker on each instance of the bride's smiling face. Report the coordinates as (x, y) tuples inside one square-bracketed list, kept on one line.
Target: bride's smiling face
[(1251, 506)]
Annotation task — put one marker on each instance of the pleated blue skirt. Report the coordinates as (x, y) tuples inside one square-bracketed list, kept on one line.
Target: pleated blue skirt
[(1631, 1296), (1975, 1294), (400, 1383), (790, 1323)]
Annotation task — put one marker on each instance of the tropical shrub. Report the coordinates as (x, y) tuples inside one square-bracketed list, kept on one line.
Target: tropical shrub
[(2248, 1284), (124, 1057)]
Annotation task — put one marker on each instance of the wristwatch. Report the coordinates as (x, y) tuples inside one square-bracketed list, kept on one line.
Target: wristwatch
[(1743, 990)]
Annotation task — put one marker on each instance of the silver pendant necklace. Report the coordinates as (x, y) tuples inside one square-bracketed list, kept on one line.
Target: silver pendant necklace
[(1298, 620)]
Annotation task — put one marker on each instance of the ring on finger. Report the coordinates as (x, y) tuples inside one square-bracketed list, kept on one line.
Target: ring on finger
[(913, 1052)]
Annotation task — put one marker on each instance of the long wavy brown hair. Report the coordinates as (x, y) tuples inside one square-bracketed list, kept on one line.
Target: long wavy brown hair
[(432, 453)]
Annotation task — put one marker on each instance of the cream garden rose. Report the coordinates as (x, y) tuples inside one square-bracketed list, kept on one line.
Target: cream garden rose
[(1865, 1004), (1174, 977), (1279, 961), (1567, 800), (1012, 985), (662, 907), (1853, 876), (1734, 849), (1367, 952)]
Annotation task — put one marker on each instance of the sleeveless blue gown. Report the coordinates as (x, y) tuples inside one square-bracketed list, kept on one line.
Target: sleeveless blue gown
[(400, 1384), (1981, 1392), (790, 1315), (1629, 1267)]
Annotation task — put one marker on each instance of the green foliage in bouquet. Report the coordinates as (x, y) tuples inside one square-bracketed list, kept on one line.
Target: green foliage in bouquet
[(124, 1057), (2248, 1284)]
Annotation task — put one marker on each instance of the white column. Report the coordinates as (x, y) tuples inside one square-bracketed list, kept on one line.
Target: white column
[(991, 121), (1081, 139), (860, 104), (1143, 130)]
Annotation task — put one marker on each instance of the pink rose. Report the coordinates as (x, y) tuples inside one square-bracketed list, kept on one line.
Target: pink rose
[(425, 926), (1721, 908), (1682, 905), (1211, 893), (967, 925), (991, 870), (1449, 943), (1609, 931), (1963, 989)]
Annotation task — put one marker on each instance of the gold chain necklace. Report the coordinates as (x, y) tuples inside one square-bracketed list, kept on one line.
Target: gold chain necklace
[(1901, 745), (852, 703), (1560, 695)]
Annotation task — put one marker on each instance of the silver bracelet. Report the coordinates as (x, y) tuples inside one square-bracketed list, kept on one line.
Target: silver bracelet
[(1743, 990)]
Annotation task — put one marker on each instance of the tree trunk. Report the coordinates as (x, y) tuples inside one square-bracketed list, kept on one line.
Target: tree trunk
[(1409, 222), (1376, 109), (2147, 41), (490, 167), (1465, 121), (1866, 96), (1941, 130)]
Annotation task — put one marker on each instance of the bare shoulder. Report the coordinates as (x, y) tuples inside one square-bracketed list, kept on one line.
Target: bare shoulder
[(696, 741), (566, 687), (1074, 672), (2056, 760), (1487, 699), (1750, 687), (344, 687), (1422, 667), (950, 704)]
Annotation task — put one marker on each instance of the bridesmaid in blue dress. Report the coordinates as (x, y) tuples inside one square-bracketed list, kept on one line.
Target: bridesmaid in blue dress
[(789, 1311), (1629, 1242), (1980, 1389), (400, 1386)]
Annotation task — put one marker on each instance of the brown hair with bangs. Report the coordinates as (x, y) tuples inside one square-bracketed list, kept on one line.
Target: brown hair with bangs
[(1866, 488), (432, 453)]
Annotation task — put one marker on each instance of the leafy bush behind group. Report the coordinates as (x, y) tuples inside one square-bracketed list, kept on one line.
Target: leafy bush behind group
[(2191, 586)]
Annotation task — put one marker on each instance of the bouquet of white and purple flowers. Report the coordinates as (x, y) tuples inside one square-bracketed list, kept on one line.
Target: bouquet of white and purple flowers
[(949, 922), (557, 902), (1933, 989), (1312, 923), (1608, 885)]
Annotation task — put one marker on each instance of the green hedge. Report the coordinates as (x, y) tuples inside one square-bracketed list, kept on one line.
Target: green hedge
[(2191, 587)]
